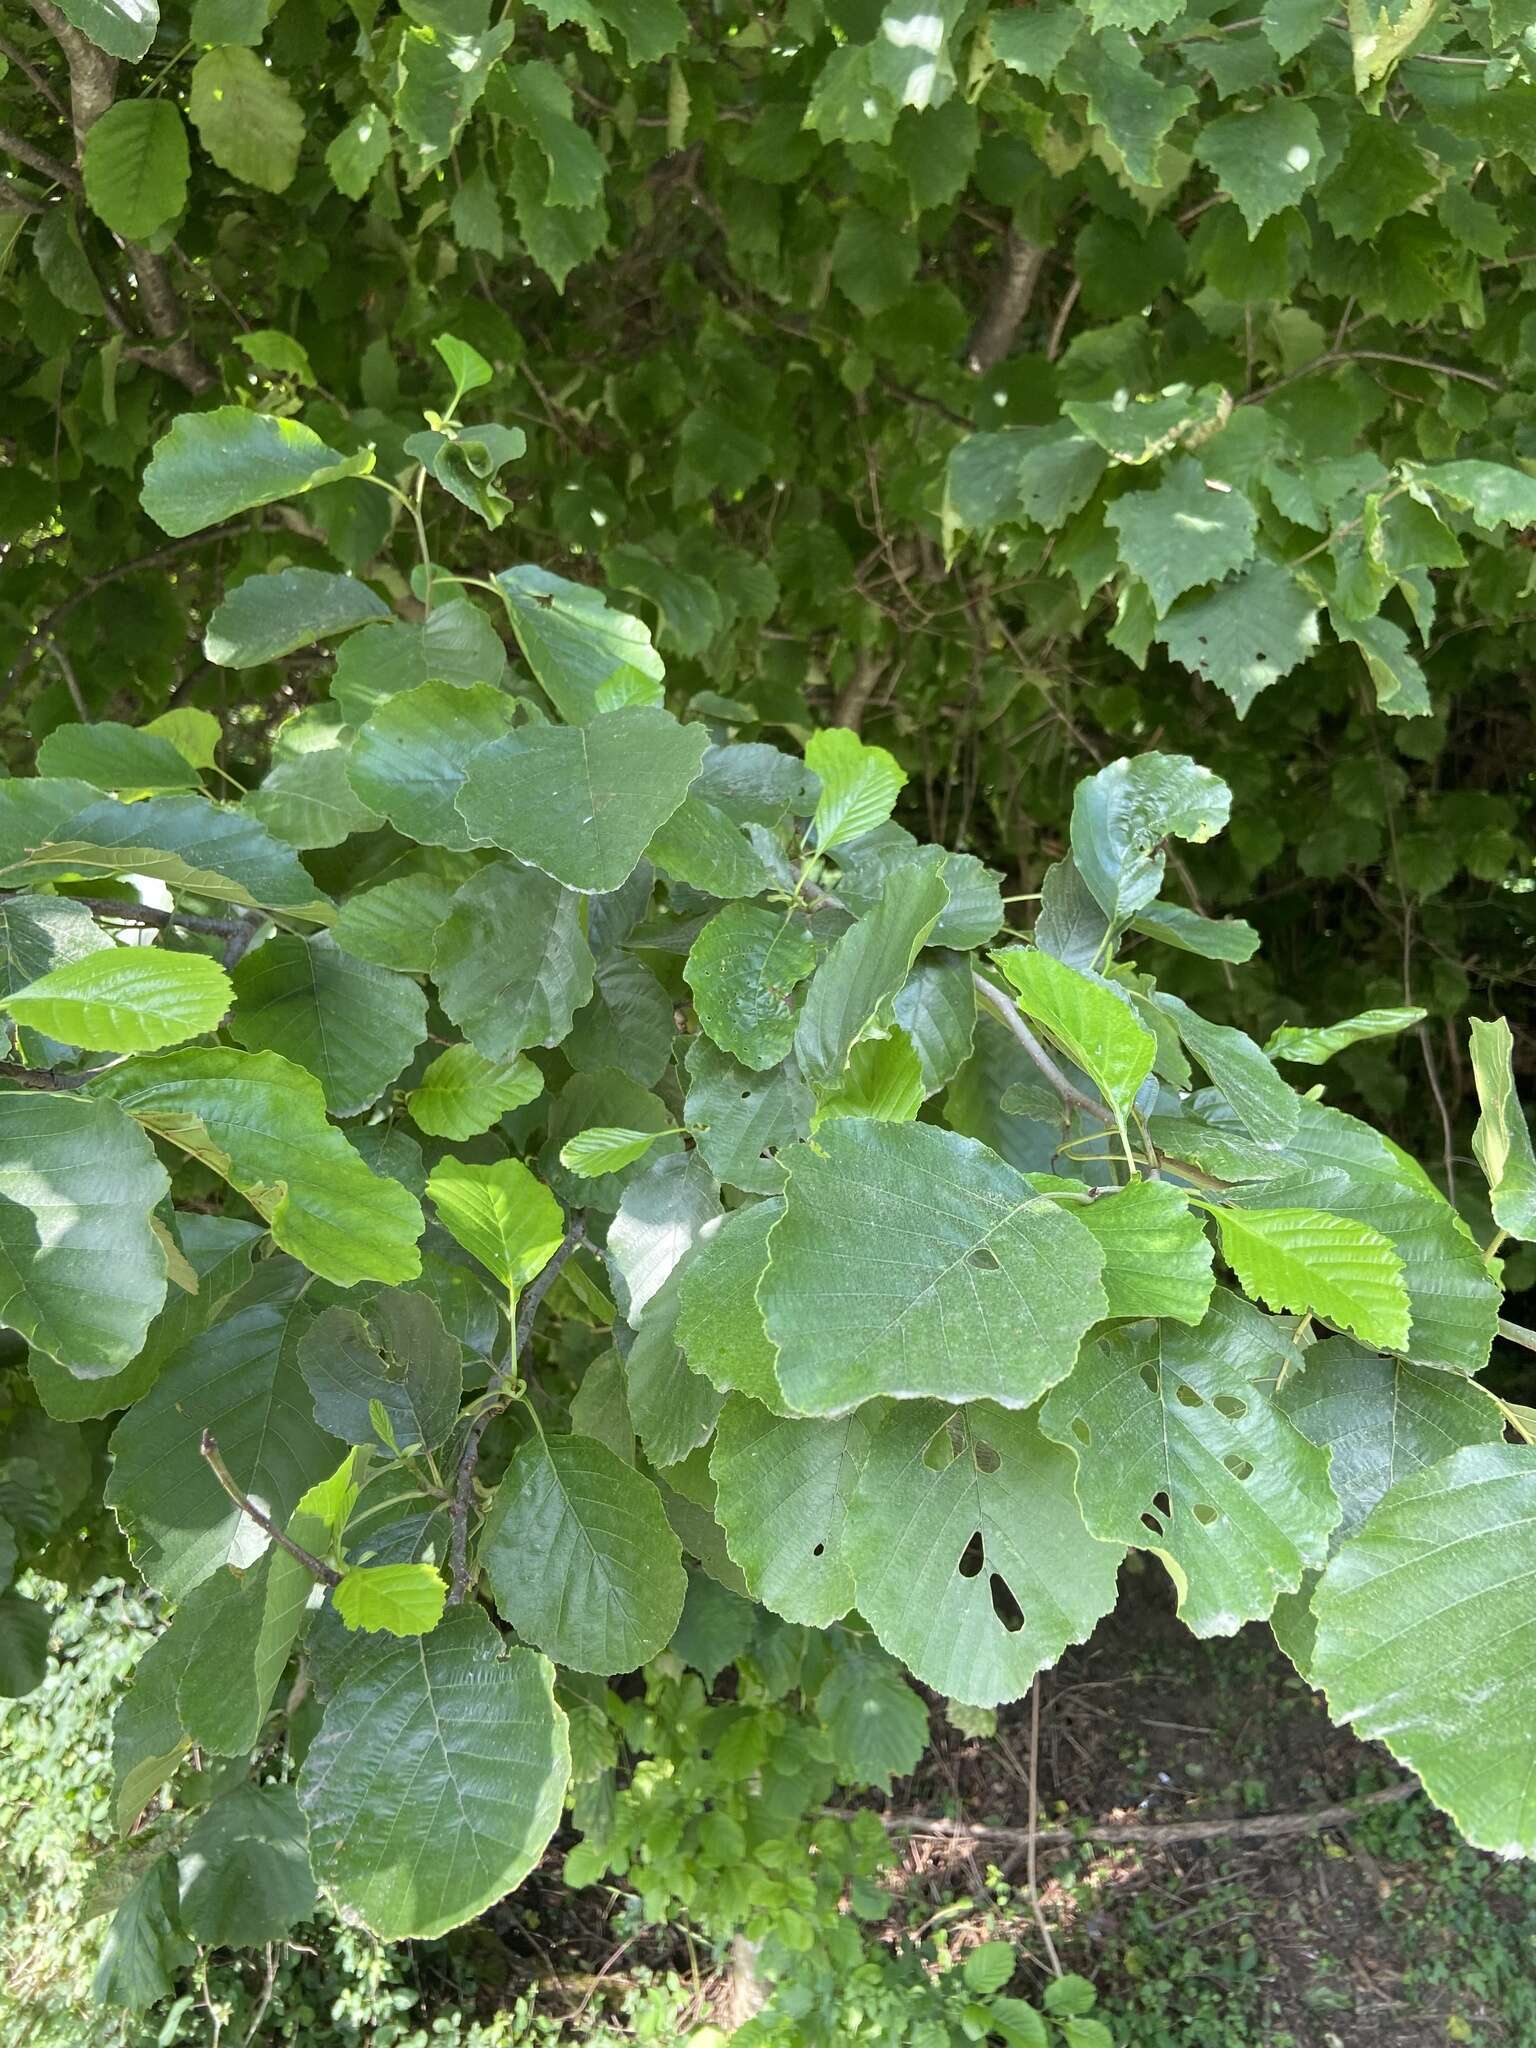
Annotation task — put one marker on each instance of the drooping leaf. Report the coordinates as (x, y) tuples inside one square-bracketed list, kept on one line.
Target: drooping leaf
[(1121, 816), (145, 1950), (969, 1556), (864, 969), (212, 465), (1311, 1045), (259, 1122), (40, 933), (877, 1724), (913, 1261), (741, 1118), (436, 1779), (240, 1628), (1266, 159), (1265, 1106), (580, 1556), (1088, 1019), (719, 1323), (81, 1270), (244, 1871), (1502, 1140), (1243, 634), (582, 802)]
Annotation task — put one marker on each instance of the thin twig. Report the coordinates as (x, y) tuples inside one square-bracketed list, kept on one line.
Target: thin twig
[(1008, 1014), (1512, 1333), (498, 1394), (1030, 1877), (39, 160), (316, 1567), (126, 912)]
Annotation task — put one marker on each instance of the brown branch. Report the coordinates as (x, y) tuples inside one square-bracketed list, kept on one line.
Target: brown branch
[(1012, 290), (327, 1574), (14, 200), (48, 1079), (92, 73), (38, 80), (498, 1394), (853, 698), (1267, 1827), (1007, 1014), (39, 160), (127, 912)]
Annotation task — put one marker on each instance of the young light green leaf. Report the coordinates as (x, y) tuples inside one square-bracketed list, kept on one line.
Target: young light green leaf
[(131, 999), (580, 1556), (1310, 1045), (467, 367), (1319, 1264), (414, 1852), (259, 1122), (1157, 1257), (501, 1215), (1502, 1140), (605, 1150), (913, 1261), (392, 1599), (883, 1081), (859, 786), (582, 802), (1090, 1021), (463, 1093), (212, 465)]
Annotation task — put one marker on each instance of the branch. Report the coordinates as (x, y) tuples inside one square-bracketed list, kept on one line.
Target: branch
[(145, 913), (48, 1079), (38, 80), (14, 200), (1007, 1014), (1012, 290), (39, 160), (92, 73), (316, 1567), (498, 1395), (1152, 1834)]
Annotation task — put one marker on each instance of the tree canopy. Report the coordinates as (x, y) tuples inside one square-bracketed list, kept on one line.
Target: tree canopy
[(746, 751)]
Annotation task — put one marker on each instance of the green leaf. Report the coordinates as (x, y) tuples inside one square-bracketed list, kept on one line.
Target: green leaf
[(391, 1599), (1422, 1618), (719, 1324), (396, 925), (864, 970), (665, 1207), (1502, 1140), (782, 1491), (1310, 1045), (131, 999), (580, 1556), (876, 1723), (145, 1950), (131, 760), (585, 655), (135, 166), (1157, 1257), (1381, 32), (1090, 1021), (411, 760), (259, 1122), (605, 1150), (703, 847), (913, 1261), (1187, 531), (989, 1967), (1493, 494), (1266, 159), (1319, 1264), (674, 1408), (268, 616), (501, 1215), (353, 1026), (305, 799), (583, 802), (39, 933), (394, 1354), (1121, 816), (1179, 1451), (81, 1270), (123, 28), (1243, 634), (512, 964), (240, 1628), (24, 1628), (462, 1093), (1033, 41), (741, 1118), (1213, 938), (212, 465), (883, 1080), (742, 972), (538, 101), (1400, 683), (245, 1877), (467, 367), (1135, 108), (454, 643), (1135, 429), (412, 1852), (1035, 475), (355, 156), (970, 1559), (246, 118), (1266, 1107), (242, 1381)]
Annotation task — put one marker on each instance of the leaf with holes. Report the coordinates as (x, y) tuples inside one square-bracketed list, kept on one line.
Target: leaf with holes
[(1181, 1452), (742, 971), (782, 1490), (970, 1559)]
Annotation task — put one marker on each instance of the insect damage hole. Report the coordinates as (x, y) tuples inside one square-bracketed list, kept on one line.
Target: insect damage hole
[(987, 1459), (984, 1260), (1151, 1378), (973, 1557), (1230, 1406), (1240, 1468), (1188, 1398), (1004, 1606), (820, 1550), (1205, 1514)]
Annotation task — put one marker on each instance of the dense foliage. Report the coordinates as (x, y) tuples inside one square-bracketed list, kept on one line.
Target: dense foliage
[(509, 1146)]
